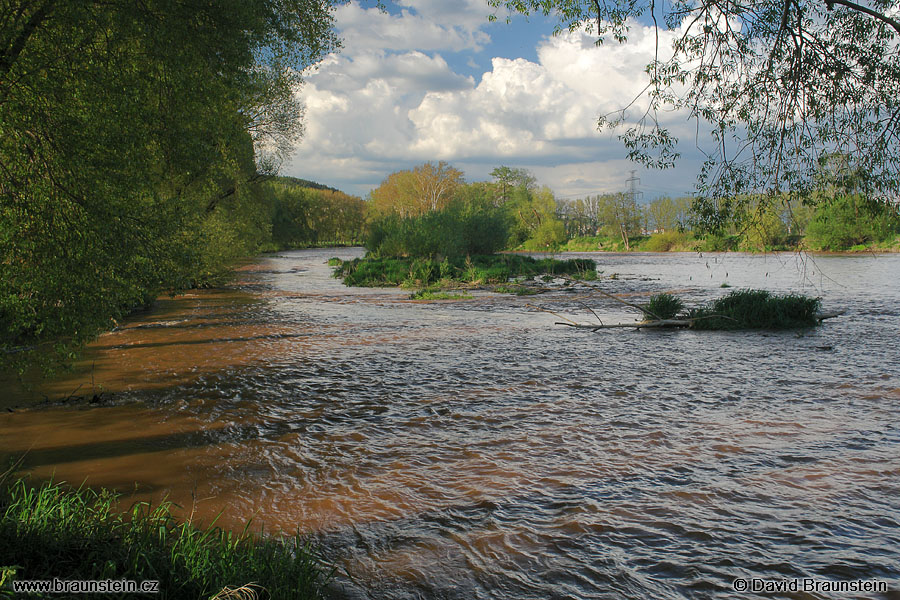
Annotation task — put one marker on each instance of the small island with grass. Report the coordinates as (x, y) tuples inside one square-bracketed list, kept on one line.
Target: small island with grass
[(454, 248), (738, 310)]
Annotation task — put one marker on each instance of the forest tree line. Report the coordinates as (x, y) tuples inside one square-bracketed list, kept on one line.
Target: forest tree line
[(431, 210)]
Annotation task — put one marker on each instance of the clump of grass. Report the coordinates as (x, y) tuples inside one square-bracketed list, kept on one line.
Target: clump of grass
[(757, 309), (427, 294), (335, 262), (664, 306), (518, 290), (51, 531)]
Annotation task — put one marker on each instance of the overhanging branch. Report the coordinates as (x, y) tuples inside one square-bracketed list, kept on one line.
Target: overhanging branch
[(865, 9)]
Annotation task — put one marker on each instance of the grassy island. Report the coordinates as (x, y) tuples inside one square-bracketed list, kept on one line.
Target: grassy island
[(458, 271)]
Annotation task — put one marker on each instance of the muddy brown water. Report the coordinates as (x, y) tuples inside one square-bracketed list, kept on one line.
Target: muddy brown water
[(473, 449)]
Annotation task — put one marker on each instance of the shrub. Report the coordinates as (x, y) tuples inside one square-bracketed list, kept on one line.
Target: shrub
[(666, 241), (850, 221), (664, 306), (719, 243), (757, 309), (430, 294), (456, 231)]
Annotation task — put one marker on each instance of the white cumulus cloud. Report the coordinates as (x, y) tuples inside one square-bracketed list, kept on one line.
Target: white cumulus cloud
[(391, 100)]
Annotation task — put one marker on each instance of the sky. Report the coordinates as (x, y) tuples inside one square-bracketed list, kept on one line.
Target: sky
[(432, 80)]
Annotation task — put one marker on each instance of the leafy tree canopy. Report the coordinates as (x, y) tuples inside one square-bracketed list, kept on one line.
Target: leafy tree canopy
[(425, 188), (130, 137), (781, 86)]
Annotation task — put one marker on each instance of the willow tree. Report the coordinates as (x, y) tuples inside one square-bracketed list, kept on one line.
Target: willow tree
[(779, 86), (128, 130)]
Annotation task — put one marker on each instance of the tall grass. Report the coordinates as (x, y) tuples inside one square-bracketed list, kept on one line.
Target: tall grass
[(757, 309), (51, 531), (665, 306)]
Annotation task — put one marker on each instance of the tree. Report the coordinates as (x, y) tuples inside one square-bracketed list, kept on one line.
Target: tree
[(851, 220), (533, 216), (425, 188), (581, 217), (131, 138), (436, 184), (508, 179), (662, 215), (621, 216), (778, 84), (765, 225)]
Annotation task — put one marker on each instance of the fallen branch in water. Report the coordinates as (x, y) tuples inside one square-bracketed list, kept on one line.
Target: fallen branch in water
[(636, 325), (664, 322)]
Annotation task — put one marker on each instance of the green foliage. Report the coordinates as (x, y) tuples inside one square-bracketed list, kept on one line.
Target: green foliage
[(764, 224), (303, 217), (851, 220), (620, 216), (518, 290), (585, 244), (463, 228), (800, 89), (665, 306), (54, 532), (719, 243), (133, 139), (667, 241), (419, 272), (666, 215), (548, 235), (433, 294), (757, 309)]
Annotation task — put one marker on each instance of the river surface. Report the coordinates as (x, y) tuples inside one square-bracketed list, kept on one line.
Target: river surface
[(473, 449)]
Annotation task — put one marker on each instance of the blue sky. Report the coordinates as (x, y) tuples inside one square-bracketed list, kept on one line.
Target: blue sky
[(434, 80)]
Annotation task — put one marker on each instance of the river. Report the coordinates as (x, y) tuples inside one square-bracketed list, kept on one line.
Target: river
[(474, 449)]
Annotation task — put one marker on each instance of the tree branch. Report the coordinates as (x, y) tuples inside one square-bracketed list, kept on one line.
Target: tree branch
[(11, 54), (864, 9), (599, 19)]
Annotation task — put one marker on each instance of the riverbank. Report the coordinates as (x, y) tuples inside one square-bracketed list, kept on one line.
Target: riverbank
[(49, 531), (675, 241)]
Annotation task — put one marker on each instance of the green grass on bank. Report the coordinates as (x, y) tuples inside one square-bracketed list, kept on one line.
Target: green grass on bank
[(436, 294), (52, 531), (677, 241), (454, 272)]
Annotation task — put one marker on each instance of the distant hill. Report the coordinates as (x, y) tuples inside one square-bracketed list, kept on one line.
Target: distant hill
[(296, 181)]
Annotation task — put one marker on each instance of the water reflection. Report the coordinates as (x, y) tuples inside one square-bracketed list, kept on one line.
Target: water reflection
[(471, 449)]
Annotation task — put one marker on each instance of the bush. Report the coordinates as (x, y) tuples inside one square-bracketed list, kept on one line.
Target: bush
[(459, 230), (665, 306), (850, 221), (757, 309), (719, 243), (666, 241), (431, 294)]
